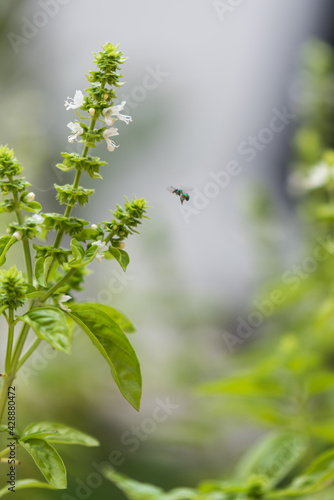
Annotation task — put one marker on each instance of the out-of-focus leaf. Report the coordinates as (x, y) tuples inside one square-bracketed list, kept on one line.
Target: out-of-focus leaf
[(318, 476), (57, 433), (323, 429), (273, 457), (248, 384), (47, 460), (133, 489), (26, 483)]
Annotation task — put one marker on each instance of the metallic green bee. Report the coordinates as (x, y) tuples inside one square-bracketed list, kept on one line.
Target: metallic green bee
[(179, 192)]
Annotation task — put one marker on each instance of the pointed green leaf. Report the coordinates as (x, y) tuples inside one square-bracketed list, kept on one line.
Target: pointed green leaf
[(58, 433), (42, 267), (81, 257), (90, 255), (47, 460), (87, 257), (114, 346), (5, 246), (33, 206), (121, 256), (123, 322), (4, 240), (77, 250), (26, 483), (133, 489), (49, 323)]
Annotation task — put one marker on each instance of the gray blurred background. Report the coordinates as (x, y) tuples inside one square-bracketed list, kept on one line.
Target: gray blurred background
[(221, 77)]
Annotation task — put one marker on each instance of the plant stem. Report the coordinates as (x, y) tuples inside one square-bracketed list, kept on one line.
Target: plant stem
[(4, 452), (29, 352), (7, 381), (75, 185), (25, 241), (58, 284), (10, 339), (5, 460), (11, 373)]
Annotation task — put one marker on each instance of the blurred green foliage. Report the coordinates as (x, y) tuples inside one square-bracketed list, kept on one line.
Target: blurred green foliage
[(283, 380)]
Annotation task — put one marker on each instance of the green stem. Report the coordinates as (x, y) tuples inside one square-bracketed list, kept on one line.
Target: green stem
[(25, 241), (4, 452), (10, 339), (7, 381), (68, 209), (28, 353), (58, 284), (76, 181)]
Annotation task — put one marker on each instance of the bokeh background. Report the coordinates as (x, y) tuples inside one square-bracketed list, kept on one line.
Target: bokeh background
[(192, 274)]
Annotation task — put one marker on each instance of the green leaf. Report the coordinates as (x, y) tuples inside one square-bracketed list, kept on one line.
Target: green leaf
[(143, 491), (87, 258), (33, 206), (322, 429), (114, 346), (123, 322), (121, 256), (42, 267), (58, 433), (81, 257), (246, 384), (319, 381), (3, 428), (133, 489), (49, 323), (4, 241), (273, 457), (77, 250), (90, 255), (26, 483), (47, 460), (317, 477)]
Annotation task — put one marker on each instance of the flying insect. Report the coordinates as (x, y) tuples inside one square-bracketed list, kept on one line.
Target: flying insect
[(179, 192)]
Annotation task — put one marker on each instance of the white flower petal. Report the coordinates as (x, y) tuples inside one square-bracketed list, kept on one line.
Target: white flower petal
[(76, 129), (108, 113), (77, 102), (110, 132)]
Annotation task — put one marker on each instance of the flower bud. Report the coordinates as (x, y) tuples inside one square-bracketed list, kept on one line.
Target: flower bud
[(121, 245), (91, 111), (105, 97), (30, 197), (18, 235), (93, 226), (12, 288)]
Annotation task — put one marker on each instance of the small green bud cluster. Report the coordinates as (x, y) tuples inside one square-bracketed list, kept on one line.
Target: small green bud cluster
[(13, 288), (10, 184), (125, 220)]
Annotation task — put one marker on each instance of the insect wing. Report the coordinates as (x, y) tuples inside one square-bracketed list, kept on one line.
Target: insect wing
[(172, 189)]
